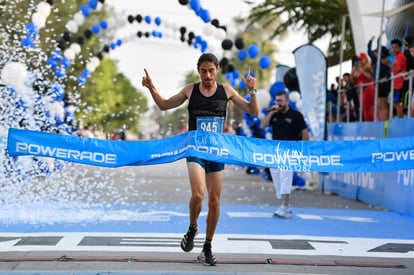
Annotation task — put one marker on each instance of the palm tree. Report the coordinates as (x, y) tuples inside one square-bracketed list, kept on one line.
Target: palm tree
[(317, 18)]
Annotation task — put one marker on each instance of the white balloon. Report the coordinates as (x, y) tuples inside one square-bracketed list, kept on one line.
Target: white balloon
[(39, 20), (72, 26), (294, 96), (14, 74), (263, 98), (79, 18), (76, 48), (220, 34), (299, 104), (90, 67), (69, 54), (95, 61), (207, 31), (44, 9)]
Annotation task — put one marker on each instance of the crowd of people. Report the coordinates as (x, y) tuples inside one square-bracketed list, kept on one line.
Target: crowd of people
[(368, 89)]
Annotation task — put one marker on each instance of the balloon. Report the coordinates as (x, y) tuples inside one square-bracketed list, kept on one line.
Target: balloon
[(291, 80), (131, 19), (138, 17), (253, 50), (85, 10), (76, 48), (32, 30), (95, 29), (265, 62), (44, 9), (70, 54), (93, 4), (58, 92), (294, 96), (147, 19), (183, 2), (28, 42), (103, 24), (276, 88), (195, 5), (220, 34), (239, 43), (242, 85), (39, 20), (66, 62), (157, 21), (226, 44), (51, 63), (263, 98), (60, 72), (215, 23), (205, 15), (79, 18), (242, 55), (72, 26)]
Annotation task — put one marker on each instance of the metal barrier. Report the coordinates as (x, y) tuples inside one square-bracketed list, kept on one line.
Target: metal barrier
[(407, 101)]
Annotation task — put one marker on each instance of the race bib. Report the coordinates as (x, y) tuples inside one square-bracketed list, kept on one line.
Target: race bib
[(210, 124)]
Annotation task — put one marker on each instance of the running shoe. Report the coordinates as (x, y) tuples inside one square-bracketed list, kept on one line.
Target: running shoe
[(187, 243), (283, 212), (206, 256)]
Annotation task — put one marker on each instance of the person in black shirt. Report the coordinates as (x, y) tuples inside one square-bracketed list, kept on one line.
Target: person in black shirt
[(207, 110), (287, 124)]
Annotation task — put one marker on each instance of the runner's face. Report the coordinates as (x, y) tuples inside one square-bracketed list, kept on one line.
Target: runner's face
[(281, 102), (208, 73)]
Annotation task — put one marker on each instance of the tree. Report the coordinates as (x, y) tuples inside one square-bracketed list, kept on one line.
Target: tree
[(317, 18), (107, 99)]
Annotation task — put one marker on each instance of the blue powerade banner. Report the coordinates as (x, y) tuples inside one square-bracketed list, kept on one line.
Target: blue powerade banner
[(320, 156)]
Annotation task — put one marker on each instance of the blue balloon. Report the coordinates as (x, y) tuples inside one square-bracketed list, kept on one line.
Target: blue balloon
[(51, 63), (28, 42), (112, 45), (86, 73), (242, 85), (265, 62), (242, 55), (276, 88), (253, 50), (147, 19), (119, 42), (205, 15), (66, 62), (95, 29), (93, 4), (234, 82), (60, 72), (229, 76), (32, 30), (195, 5), (104, 24), (236, 74), (81, 80), (157, 21), (85, 10), (57, 55), (58, 92)]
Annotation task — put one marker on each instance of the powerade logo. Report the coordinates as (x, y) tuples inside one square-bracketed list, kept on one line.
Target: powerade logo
[(65, 154), (392, 156), (295, 160)]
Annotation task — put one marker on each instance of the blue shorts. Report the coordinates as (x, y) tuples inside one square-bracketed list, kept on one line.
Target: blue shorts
[(208, 166)]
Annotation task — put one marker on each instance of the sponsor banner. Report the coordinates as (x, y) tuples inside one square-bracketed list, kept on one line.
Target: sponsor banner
[(320, 156), (311, 70), (392, 190)]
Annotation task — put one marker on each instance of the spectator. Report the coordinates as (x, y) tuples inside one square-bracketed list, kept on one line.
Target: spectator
[(350, 95), (362, 77), (384, 83), (287, 124), (398, 67)]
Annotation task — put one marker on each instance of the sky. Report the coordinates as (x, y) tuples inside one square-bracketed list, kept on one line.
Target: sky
[(168, 60)]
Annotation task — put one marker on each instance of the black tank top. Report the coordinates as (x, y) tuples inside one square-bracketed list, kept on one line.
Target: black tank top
[(202, 108)]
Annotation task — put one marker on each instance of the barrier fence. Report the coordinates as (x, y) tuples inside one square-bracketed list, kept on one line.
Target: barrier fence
[(407, 101)]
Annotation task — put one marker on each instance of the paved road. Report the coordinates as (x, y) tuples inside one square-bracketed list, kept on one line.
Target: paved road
[(130, 221)]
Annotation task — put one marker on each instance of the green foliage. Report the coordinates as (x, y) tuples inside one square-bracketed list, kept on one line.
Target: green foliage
[(318, 18)]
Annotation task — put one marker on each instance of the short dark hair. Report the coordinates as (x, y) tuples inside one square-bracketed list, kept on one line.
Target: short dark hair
[(207, 57), (283, 93), (396, 41)]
